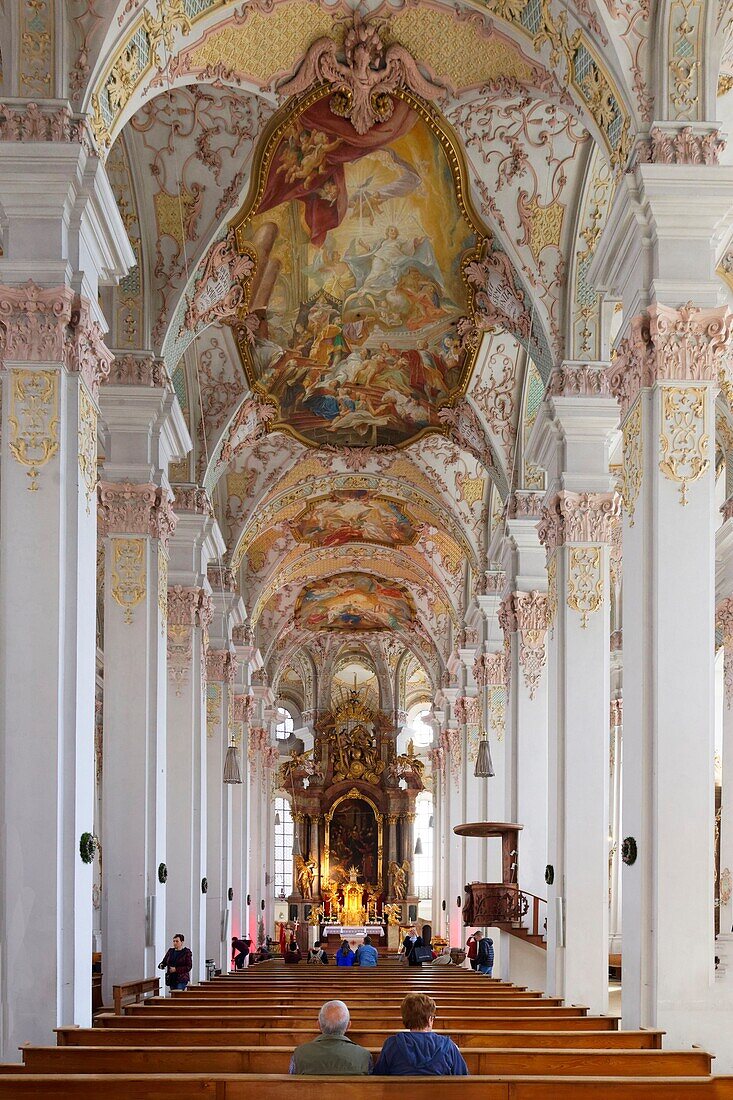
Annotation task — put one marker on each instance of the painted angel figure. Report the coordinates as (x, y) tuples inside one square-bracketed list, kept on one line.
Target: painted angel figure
[(398, 878), (305, 874)]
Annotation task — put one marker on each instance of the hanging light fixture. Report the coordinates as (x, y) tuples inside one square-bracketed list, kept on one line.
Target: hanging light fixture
[(430, 823), (484, 768), (296, 842), (278, 820), (232, 770), (418, 846)]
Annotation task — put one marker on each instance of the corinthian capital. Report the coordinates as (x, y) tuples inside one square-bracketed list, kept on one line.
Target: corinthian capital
[(34, 322), (724, 620), (489, 670), (579, 517), (126, 508), (185, 605), (526, 613), (138, 370), (193, 499), (671, 345), (579, 380), (221, 666), (85, 351)]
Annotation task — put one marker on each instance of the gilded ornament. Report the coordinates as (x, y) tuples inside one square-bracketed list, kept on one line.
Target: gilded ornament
[(551, 591), (685, 48), (129, 574), (213, 707), (33, 418), (684, 439), (87, 432), (632, 460), (162, 587), (585, 581)]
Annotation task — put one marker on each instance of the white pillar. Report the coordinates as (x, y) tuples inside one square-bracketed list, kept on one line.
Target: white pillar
[(144, 431), (615, 828), (571, 440), (63, 231), (220, 672), (524, 620), (47, 656), (724, 618), (195, 542)]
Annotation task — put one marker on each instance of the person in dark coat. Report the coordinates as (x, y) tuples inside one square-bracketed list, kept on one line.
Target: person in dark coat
[(409, 943), (177, 963), (240, 951), (484, 954), (292, 953), (419, 1051)]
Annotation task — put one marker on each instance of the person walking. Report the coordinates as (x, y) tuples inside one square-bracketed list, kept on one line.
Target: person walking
[(345, 956), (484, 954), (419, 1051), (366, 953), (471, 949), (331, 1051), (177, 963)]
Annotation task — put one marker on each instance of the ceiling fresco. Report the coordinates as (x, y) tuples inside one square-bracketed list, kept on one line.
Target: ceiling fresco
[(354, 601), (361, 246), (358, 516)]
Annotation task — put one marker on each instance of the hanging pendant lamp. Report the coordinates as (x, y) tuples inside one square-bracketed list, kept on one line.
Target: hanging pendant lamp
[(484, 768), (232, 770), (418, 846), (277, 818)]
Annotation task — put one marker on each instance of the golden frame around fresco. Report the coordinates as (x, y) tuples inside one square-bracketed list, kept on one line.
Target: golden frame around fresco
[(451, 148), (356, 794)]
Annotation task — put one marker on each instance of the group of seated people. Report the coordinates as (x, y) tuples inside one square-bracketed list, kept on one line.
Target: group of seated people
[(416, 1052), (243, 955)]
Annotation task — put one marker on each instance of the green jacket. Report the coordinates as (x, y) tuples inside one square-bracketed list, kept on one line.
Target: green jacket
[(331, 1054)]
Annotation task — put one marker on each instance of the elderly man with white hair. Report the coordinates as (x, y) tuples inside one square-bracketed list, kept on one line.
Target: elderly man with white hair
[(331, 1051)]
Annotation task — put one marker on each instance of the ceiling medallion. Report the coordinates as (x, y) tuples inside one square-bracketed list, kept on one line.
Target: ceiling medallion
[(362, 233)]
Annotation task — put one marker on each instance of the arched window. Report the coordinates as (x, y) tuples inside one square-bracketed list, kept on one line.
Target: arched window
[(422, 733), (284, 726), (423, 860), (283, 848)]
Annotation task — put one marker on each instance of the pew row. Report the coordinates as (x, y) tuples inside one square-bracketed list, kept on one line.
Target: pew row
[(281, 1087), (499, 1061)]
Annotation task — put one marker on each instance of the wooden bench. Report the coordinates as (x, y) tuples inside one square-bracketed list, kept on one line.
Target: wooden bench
[(447, 1017), (499, 1061), (281, 1087), (210, 1037), (614, 967), (133, 992)]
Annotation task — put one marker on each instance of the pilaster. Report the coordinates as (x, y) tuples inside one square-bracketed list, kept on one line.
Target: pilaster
[(571, 440)]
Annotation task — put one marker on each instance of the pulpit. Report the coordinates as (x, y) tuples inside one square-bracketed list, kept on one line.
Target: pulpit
[(495, 903)]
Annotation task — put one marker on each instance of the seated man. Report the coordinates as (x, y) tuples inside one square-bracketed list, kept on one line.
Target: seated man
[(332, 1052), (366, 954), (419, 1051)]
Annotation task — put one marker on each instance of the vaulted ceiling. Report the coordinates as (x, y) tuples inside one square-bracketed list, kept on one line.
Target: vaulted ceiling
[(357, 381)]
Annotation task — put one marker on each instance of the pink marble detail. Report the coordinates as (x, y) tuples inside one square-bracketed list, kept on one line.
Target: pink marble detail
[(243, 707), (34, 322), (671, 345), (222, 578), (489, 670), (36, 122), (579, 517), (525, 504), (680, 147), (138, 370), (185, 605), (85, 351), (224, 261), (129, 509), (617, 712), (221, 666), (579, 380), (364, 73), (467, 710), (193, 499), (468, 432), (526, 613), (727, 509)]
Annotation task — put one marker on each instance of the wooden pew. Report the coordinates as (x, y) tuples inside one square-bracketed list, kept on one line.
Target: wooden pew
[(280, 1087), (229, 1037), (169, 1022), (500, 1061), (133, 991), (242, 1015)]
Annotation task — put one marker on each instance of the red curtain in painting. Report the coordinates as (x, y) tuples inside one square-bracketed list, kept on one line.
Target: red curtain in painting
[(324, 193)]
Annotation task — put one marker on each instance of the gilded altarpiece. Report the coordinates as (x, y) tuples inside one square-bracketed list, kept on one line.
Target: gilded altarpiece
[(353, 801)]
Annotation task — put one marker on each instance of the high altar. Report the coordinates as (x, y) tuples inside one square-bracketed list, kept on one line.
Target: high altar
[(353, 803)]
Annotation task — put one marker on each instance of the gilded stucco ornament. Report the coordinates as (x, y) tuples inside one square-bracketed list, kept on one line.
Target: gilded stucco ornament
[(33, 419), (633, 455), (128, 574), (585, 581), (684, 440)]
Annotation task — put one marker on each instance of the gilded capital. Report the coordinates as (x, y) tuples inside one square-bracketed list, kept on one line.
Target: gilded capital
[(126, 508)]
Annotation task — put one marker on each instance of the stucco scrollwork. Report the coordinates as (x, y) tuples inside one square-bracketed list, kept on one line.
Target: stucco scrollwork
[(684, 440), (633, 455), (129, 574), (585, 581), (33, 419)]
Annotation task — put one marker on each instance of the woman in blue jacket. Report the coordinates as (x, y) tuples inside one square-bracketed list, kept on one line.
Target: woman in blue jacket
[(420, 1051), (366, 954), (344, 955)]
